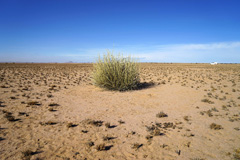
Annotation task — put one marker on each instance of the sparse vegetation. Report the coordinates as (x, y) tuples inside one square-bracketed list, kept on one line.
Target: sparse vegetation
[(236, 154), (108, 125), (116, 73), (136, 146), (90, 143), (30, 88), (186, 118), (161, 114), (149, 137), (51, 109), (121, 122), (107, 138), (49, 95), (33, 103), (27, 154), (207, 101), (9, 117), (216, 126), (69, 125), (155, 130), (53, 104), (101, 147), (96, 123), (48, 123)]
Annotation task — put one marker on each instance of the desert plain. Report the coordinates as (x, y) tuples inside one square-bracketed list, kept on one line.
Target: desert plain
[(182, 111)]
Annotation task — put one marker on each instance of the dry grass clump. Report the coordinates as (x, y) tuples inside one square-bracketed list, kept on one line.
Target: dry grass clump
[(101, 147), (161, 114), (50, 123), (236, 155), (9, 116), (3, 86), (12, 97), (90, 143), (136, 146), (207, 101), (178, 152), (51, 109), (33, 103), (186, 118), (108, 125), (49, 96), (84, 131), (53, 104), (47, 123), (27, 154), (121, 121), (96, 123), (149, 137), (154, 130), (208, 112), (107, 138), (116, 73), (1, 104), (23, 113), (69, 125), (216, 126), (166, 125)]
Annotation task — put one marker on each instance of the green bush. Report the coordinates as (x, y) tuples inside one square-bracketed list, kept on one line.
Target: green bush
[(116, 72)]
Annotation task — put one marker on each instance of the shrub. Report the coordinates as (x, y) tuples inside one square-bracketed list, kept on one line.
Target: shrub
[(116, 73)]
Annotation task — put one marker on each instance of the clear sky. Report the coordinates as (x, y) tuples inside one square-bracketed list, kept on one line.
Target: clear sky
[(151, 30)]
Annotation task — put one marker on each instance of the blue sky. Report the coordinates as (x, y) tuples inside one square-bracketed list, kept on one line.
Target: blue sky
[(152, 31)]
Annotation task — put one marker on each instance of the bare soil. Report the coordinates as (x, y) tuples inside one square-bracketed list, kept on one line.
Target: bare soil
[(184, 111)]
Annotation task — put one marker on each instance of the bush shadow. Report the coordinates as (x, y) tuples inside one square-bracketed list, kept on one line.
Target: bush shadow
[(145, 85)]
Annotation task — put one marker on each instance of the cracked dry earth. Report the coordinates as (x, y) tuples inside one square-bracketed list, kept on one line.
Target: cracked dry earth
[(52, 111)]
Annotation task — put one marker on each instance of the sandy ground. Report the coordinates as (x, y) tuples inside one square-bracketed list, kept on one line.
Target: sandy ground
[(52, 111)]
